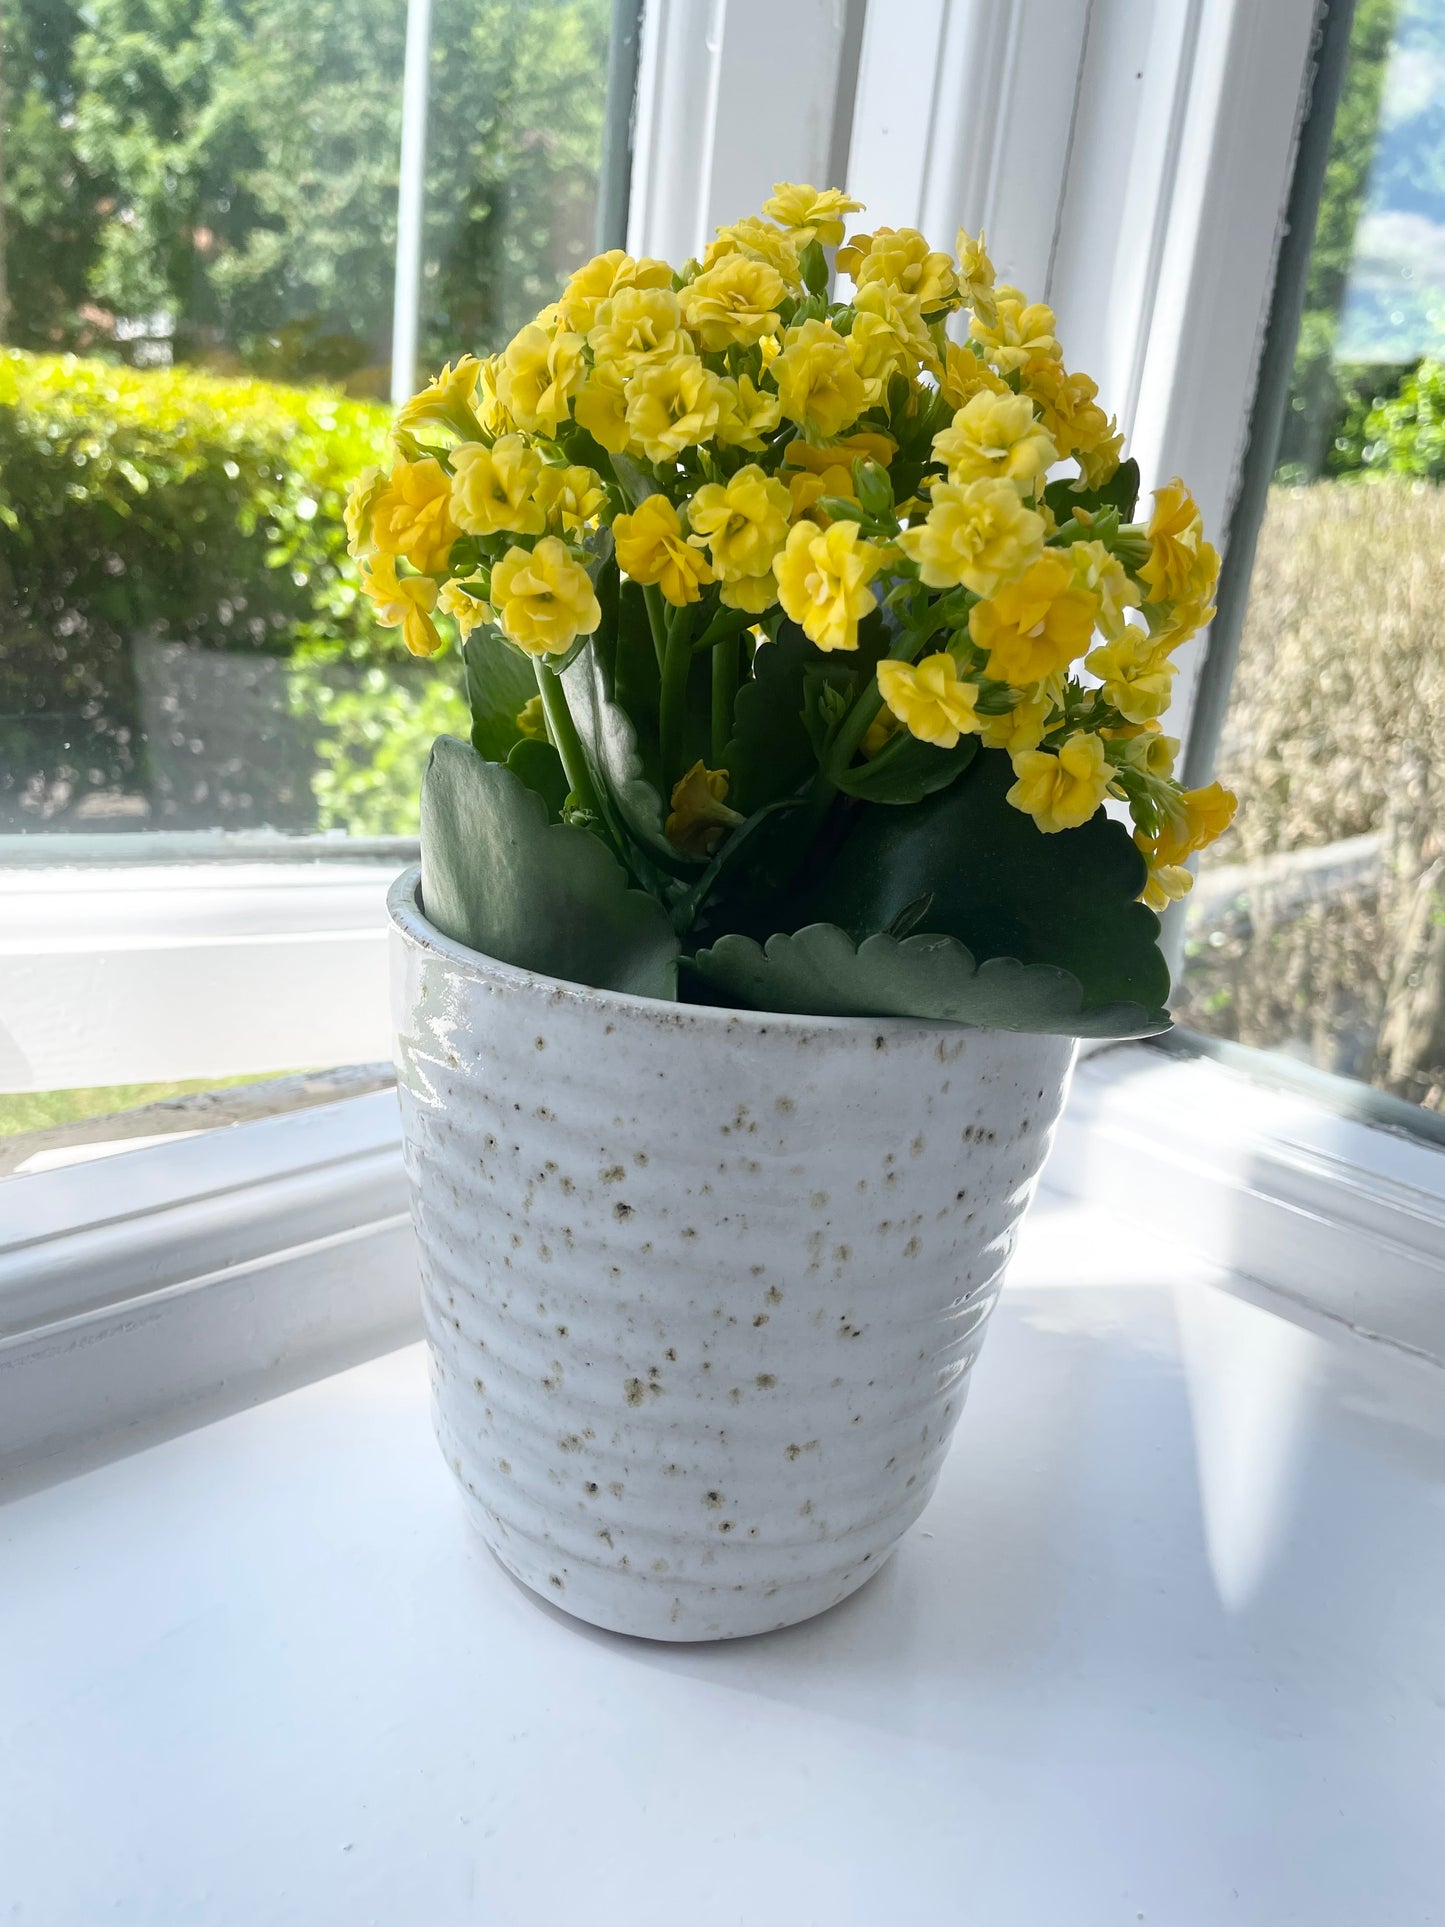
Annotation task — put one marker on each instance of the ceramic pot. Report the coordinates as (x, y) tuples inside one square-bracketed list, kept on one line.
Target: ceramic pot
[(703, 1288)]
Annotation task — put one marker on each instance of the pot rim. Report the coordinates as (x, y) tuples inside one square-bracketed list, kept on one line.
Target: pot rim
[(403, 904)]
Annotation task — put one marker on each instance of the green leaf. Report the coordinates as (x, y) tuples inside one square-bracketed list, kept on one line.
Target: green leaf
[(905, 770), (915, 416), (500, 679), (608, 585), (1121, 492), (616, 758), (1001, 886), (637, 685), (769, 754), (549, 897), (747, 858), (813, 264), (819, 970), (827, 688), (635, 481), (540, 768)]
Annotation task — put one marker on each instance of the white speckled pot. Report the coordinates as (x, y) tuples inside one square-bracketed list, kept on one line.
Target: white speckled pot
[(702, 1287)]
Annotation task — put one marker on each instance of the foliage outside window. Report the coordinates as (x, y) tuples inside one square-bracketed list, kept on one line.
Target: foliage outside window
[(200, 205), (1318, 927)]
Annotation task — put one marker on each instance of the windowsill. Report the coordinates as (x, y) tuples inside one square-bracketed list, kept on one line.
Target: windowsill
[(1173, 1613), (180, 966)]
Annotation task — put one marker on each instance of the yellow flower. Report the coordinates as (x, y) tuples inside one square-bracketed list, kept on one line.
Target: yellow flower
[(849, 260), (403, 602), (965, 374), (975, 276), (412, 515), (700, 819), (1019, 330), (807, 490), (651, 547), (637, 325), (1150, 751), (734, 302), (601, 278), (494, 489), (829, 471), (494, 418), (540, 372), (1061, 791), (883, 728), (752, 593), (543, 598), (868, 444), (672, 405), (818, 386), (1172, 623), (747, 414), (570, 497), (1182, 566), (811, 213), (445, 401), (1024, 726), (903, 259), (979, 536), (1192, 820), (360, 500), (1137, 677), (1095, 568), (1167, 882), (744, 522), (532, 720), (466, 604), (929, 698), (995, 435), (888, 337), (1099, 460), (823, 582), (1062, 399), (601, 408), (760, 241), (1035, 626)]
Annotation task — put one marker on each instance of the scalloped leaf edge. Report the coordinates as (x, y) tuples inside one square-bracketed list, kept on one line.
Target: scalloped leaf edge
[(819, 971)]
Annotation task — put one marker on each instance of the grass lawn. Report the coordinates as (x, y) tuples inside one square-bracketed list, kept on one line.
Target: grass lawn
[(40, 1110)]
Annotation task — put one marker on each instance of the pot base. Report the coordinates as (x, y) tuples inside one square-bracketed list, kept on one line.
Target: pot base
[(688, 1613)]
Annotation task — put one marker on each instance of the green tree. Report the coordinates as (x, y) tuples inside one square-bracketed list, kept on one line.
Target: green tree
[(1320, 392), (518, 101), (238, 161), (50, 216)]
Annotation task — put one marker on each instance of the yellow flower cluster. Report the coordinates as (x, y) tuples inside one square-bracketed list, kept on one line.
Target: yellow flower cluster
[(749, 450)]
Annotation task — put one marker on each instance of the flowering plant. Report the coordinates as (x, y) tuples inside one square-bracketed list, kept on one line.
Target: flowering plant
[(804, 641)]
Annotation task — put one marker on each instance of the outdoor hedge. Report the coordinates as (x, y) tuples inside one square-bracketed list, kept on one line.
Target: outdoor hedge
[(143, 507)]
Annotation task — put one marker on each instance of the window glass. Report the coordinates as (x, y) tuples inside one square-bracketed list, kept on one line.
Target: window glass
[(1317, 925), (198, 243), (198, 292)]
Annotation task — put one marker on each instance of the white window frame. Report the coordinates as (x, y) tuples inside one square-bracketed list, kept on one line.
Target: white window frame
[(1132, 159)]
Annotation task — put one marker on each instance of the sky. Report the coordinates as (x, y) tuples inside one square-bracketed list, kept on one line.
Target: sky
[(1394, 306)]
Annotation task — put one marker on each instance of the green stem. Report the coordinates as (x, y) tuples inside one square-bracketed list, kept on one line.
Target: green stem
[(860, 717), (725, 657), (568, 744), (657, 618), (676, 661), (725, 623)]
